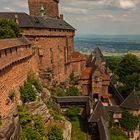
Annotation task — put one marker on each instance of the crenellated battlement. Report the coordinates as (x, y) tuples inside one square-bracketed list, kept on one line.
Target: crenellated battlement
[(13, 51)]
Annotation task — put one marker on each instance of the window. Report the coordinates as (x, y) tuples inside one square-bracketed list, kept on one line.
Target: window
[(16, 49), (5, 52), (10, 50)]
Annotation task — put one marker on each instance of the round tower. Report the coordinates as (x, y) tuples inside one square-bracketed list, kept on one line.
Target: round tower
[(50, 8)]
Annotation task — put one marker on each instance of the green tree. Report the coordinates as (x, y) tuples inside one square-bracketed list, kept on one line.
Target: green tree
[(72, 112), (112, 64), (24, 116), (31, 134), (128, 121), (55, 133), (39, 126), (118, 134), (73, 91), (8, 29), (128, 65), (27, 92), (34, 81)]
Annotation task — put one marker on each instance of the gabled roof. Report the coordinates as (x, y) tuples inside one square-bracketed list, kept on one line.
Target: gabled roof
[(94, 57), (27, 21), (132, 102), (98, 112)]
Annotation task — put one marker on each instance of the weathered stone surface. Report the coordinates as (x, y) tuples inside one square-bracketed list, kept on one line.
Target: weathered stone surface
[(10, 129), (67, 130), (39, 108)]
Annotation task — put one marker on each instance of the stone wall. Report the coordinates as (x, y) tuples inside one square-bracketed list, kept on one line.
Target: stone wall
[(50, 7), (17, 59), (55, 49), (20, 60)]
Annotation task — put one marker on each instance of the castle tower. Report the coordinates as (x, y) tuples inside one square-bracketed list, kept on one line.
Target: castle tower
[(50, 8)]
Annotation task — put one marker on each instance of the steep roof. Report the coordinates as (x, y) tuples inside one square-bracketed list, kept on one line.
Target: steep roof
[(103, 130), (27, 21), (131, 102), (94, 57), (115, 109), (106, 77), (98, 112), (76, 57), (86, 73), (13, 42)]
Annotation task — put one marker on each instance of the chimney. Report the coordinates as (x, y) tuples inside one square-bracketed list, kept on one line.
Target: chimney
[(61, 16), (16, 19)]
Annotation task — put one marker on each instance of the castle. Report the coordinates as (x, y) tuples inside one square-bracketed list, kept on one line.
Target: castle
[(46, 47)]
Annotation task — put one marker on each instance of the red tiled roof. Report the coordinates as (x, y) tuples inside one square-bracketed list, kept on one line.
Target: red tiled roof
[(86, 73), (76, 57), (13, 42), (106, 77)]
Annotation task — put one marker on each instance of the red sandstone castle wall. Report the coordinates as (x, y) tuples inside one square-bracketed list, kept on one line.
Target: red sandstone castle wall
[(55, 49), (14, 73), (50, 7)]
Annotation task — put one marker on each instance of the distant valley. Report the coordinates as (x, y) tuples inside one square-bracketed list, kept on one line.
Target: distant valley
[(112, 46)]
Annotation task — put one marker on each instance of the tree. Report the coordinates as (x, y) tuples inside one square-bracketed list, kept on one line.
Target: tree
[(72, 112), (55, 133), (24, 116), (128, 65), (39, 126), (112, 64), (8, 29), (27, 92), (31, 134), (34, 81), (73, 91), (118, 134), (128, 121), (128, 72)]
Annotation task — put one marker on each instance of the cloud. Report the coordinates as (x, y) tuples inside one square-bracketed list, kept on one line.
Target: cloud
[(74, 10), (127, 4), (92, 16)]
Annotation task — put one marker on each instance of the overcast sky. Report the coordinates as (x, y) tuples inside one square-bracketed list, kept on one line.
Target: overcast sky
[(93, 16)]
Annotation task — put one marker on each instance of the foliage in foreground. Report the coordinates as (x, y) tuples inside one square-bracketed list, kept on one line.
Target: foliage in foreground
[(128, 71), (34, 81), (30, 130), (27, 92), (72, 112), (118, 134), (72, 91), (128, 121), (55, 133), (60, 90), (8, 29)]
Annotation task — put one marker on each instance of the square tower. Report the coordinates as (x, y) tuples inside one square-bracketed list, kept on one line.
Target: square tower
[(48, 7)]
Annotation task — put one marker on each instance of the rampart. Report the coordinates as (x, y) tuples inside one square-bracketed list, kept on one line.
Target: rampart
[(17, 58)]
